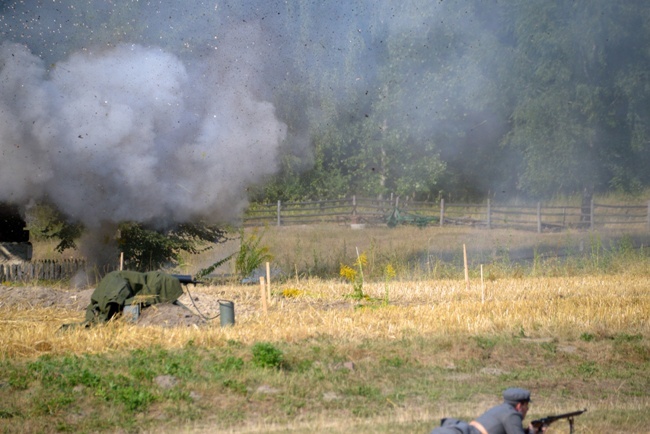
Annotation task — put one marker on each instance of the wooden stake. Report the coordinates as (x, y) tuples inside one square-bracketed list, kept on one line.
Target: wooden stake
[(121, 260), (466, 269), (268, 280), (359, 263), (482, 286), (297, 278), (263, 296)]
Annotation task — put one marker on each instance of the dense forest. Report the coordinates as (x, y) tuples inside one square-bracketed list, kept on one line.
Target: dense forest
[(426, 99)]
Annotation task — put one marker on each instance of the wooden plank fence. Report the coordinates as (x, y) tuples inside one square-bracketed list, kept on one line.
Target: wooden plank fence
[(41, 270), (535, 217)]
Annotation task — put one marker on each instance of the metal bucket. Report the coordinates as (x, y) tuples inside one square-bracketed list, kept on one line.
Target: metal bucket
[(226, 313)]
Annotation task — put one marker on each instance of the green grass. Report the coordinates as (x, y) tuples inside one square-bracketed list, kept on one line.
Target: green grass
[(91, 393)]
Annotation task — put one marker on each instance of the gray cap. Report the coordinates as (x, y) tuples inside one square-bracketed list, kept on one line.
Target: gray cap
[(515, 395)]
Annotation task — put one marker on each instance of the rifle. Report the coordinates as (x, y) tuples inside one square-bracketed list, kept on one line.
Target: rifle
[(186, 279), (537, 424)]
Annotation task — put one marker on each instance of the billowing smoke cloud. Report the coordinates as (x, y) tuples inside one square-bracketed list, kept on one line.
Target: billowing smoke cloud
[(131, 133)]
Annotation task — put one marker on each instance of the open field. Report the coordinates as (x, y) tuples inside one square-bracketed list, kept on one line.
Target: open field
[(436, 349), (433, 252), (412, 350)]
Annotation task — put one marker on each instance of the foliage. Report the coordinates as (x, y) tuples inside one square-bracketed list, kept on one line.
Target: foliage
[(355, 278), (389, 274), (539, 98), (205, 271), (251, 254), (147, 249), (267, 355), (45, 222), (144, 248), (292, 293)]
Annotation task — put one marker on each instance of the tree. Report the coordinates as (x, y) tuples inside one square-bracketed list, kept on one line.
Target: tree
[(576, 120), (46, 222), (146, 249)]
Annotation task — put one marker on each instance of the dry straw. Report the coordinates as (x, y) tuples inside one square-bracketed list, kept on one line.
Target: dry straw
[(561, 308)]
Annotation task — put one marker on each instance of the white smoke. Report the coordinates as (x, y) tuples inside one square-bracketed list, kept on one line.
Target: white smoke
[(129, 133)]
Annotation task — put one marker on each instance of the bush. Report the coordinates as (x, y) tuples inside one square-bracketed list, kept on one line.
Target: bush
[(251, 254), (266, 355)]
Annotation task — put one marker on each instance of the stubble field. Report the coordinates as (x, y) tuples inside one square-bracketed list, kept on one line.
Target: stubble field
[(416, 347)]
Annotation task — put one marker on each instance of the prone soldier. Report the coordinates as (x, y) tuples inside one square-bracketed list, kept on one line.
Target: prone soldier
[(505, 418)]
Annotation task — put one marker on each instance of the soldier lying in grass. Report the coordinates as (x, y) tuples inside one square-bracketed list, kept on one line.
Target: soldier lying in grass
[(505, 418)]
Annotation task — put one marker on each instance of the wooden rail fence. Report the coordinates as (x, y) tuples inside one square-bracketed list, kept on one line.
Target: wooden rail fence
[(536, 217)]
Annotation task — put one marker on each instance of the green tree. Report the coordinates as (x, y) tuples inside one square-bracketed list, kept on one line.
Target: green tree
[(45, 222), (147, 249), (577, 83)]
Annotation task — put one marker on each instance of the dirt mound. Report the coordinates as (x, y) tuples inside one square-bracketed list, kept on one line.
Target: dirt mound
[(168, 315), (39, 296), (164, 315)]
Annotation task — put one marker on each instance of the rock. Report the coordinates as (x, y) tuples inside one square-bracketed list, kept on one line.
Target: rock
[(346, 365), (330, 396), (166, 381), (267, 390), (493, 371)]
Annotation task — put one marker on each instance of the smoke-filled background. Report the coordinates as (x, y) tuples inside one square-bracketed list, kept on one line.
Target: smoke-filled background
[(162, 111)]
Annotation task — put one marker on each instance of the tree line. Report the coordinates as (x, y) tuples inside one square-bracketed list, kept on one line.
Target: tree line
[(473, 99), (449, 99), (455, 100)]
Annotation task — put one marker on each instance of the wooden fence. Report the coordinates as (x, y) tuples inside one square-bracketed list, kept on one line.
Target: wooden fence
[(41, 270), (357, 211), (535, 217), (344, 211)]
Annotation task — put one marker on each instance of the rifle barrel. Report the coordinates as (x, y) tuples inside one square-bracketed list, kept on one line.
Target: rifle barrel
[(186, 279), (550, 419)]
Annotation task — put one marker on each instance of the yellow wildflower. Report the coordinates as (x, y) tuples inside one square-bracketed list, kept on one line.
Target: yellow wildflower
[(348, 273), (292, 293), (389, 272)]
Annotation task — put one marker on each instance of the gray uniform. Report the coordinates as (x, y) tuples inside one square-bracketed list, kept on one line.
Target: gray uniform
[(502, 419), (453, 426)]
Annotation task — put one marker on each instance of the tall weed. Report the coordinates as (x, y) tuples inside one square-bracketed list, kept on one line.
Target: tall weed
[(252, 254)]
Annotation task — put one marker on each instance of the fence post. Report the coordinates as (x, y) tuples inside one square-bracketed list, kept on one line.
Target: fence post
[(354, 208), (489, 215), (539, 217), (279, 207), (442, 212), (591, 214)]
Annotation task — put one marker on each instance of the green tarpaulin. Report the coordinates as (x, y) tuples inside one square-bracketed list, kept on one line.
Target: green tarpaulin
[(124, 288)]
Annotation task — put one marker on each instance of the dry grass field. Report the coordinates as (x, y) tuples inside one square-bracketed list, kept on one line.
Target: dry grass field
[(431, 252), (419, 345)]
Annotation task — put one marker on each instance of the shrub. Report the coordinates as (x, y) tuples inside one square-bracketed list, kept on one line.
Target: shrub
[(266, 355), (251, 254)]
